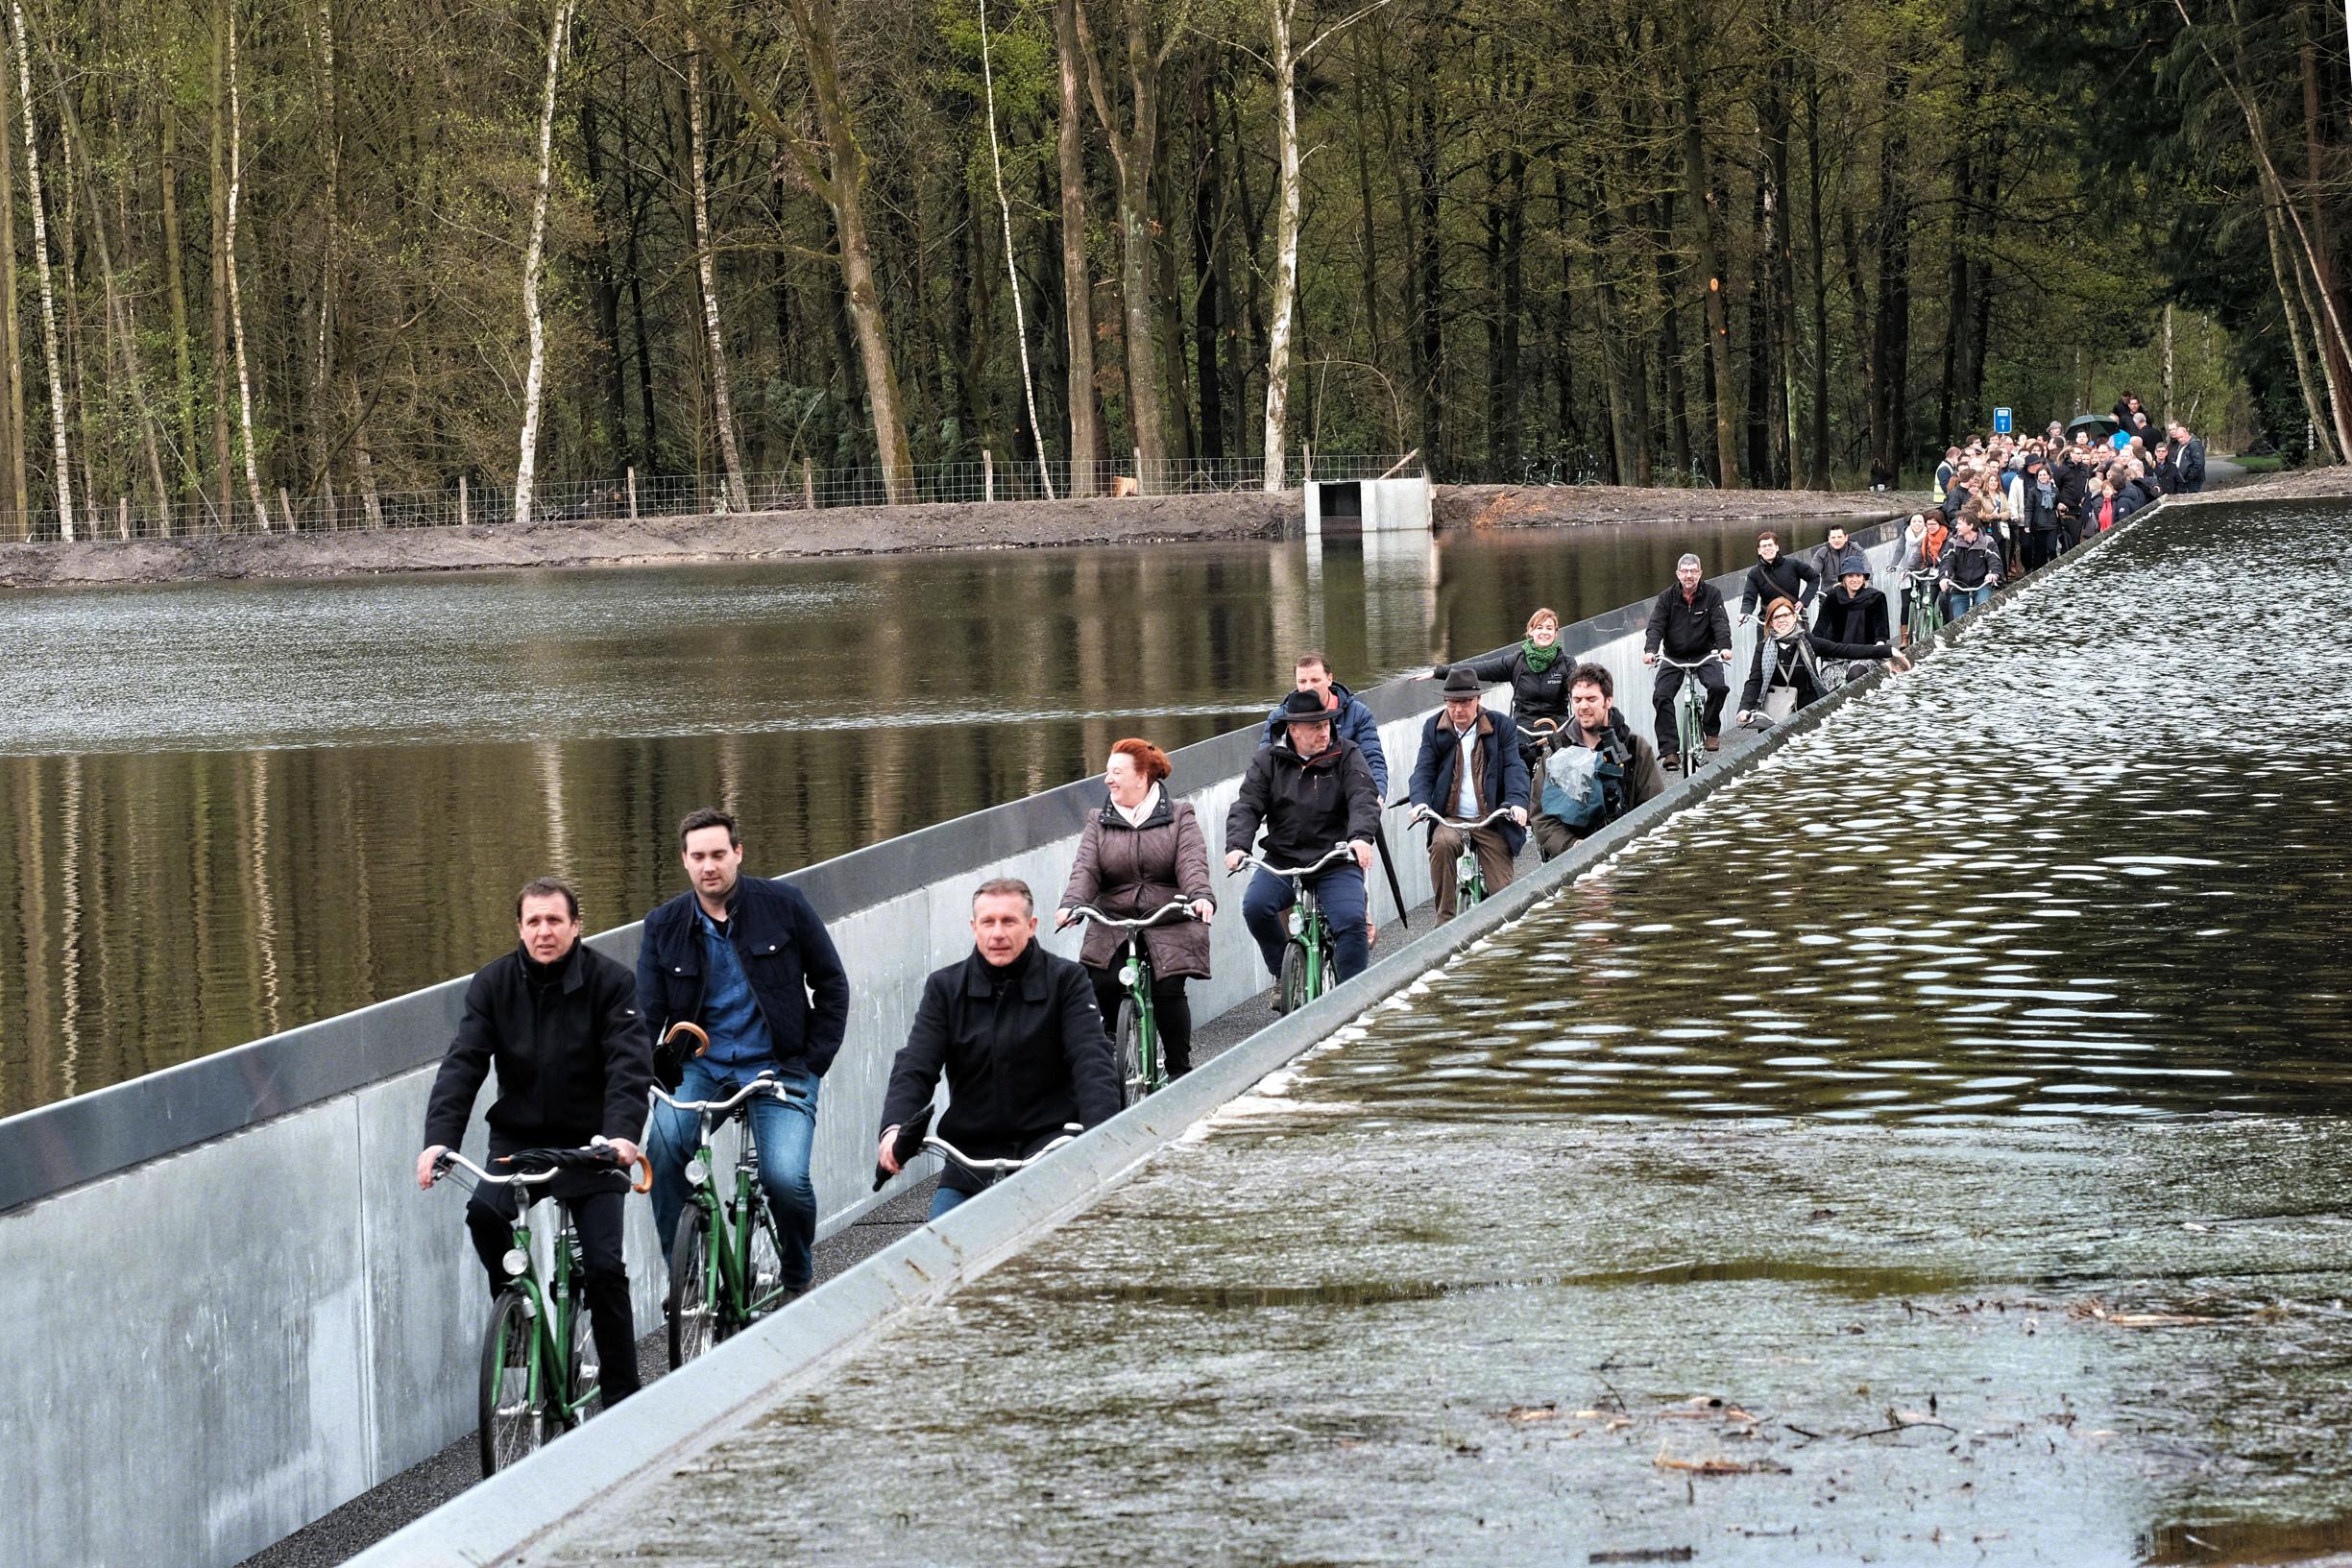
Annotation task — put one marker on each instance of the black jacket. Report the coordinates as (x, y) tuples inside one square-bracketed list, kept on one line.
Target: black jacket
[(1505, 770), (2037, 517), (573, 1055), (1533, 694), (2166, 476), (1306, 805), (1690, 630), (1784, 576), (2074, 484), (1798, 665), (785, 954), (1859, 618), (1024, 1050), (1970, 566), (2191, 461)]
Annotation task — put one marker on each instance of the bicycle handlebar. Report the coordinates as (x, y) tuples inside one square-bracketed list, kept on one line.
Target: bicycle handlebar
[(999, 1167), (764, 1084), (1338, 851), (1699, 664), (599, 1148), (1422, 813), (1087, 911)]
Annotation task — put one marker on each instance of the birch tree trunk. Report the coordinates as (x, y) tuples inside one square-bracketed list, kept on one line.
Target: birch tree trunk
[(11, 335), (534, 383), (61, 481), (706, 268), (236, 299), (1077, 281), (1012, 274), (184, 371), (1286, 244), (224, 451)]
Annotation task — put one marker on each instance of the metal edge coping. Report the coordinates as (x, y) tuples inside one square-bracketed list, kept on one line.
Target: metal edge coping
[(691, 1410), (53, 1148)]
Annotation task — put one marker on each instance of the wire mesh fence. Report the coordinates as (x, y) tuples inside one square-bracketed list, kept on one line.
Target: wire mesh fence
[(468, 502)]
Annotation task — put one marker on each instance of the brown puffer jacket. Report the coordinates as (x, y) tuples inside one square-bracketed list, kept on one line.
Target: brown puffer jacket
[(1129, 871)]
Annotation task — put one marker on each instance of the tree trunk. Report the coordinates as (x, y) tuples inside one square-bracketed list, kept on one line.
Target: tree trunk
[(706, 271), (11, 334), (1703, 199), (183, 369), (1086, 448), (224, 462), (236, 299), (1818, 446), (62, 481), (1135, 148), (1012, 274), (1280, 13), (535, 252), (1208, 323), (604, 290), (2313, 412), (1891, 329)]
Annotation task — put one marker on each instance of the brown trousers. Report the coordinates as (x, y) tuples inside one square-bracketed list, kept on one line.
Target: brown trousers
[(1553, 837), (1445, 844)]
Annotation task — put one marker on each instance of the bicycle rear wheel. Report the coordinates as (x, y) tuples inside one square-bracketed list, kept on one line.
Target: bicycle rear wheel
[(1126, 1055), (510, 1427), (1293, 983), (691, 1305), (1688, 733)]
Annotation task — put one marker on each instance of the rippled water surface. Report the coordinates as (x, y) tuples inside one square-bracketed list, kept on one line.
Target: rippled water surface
[(229, 809), (1886, 1162)]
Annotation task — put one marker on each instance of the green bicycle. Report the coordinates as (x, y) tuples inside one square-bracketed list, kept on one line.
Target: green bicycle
[(726, 1267), (1469, 881), (1135, 1044), (1306, 962), (1922, 617), (539, 1375), (1689, 716)]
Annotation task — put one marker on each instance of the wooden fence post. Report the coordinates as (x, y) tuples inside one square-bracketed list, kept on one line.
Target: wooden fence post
[(987, 475), (122, 516), (461, 501), (808, 486), (632, 493)]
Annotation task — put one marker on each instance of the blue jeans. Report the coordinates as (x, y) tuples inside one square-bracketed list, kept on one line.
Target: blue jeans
[(946, 1198), (1965, 599), (1341, 892), (784, 1133)]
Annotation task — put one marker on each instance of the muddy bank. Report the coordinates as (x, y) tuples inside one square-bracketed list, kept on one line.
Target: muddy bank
[(876, 530), (2303, 484), (1573, 506)]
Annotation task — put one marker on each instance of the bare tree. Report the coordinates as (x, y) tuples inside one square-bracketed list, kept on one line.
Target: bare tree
[(237, 297), (534, 256), (706, 268), (1012, 274), (1077, 281), (63, 480)]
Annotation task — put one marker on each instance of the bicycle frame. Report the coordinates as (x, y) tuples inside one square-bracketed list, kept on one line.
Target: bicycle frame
[(1135, 974), (1469, 879), (1310, 926), (732, 1224), (1690, 713)]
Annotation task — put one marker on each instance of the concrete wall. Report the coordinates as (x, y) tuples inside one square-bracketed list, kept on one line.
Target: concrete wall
[(300, 1322)]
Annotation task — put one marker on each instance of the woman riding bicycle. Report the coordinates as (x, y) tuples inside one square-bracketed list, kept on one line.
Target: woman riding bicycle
[(1139, 853), (1786, 673)]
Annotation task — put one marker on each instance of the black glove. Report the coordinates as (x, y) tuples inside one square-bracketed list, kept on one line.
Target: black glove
[(906, 1146)]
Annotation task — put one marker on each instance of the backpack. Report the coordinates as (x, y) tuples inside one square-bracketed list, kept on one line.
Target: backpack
[(1584, 787)]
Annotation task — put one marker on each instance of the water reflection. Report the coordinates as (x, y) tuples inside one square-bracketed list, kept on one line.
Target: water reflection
[(228, 809)]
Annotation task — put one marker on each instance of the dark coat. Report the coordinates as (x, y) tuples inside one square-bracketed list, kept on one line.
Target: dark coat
[(786, 955), (1784, 576), (1688, 630), (573, 1054), (1129, 872), (1350, 722), (2191, 461), (1970, 566), (1500, 771), (1857, 617), (2034, 516), (1799, 666), (1535, 694), (1306, 805), (1022, 1060)]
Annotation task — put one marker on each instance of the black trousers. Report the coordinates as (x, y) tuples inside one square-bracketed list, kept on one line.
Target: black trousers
[(596, 1214), (1670, 687), (1168, 1005), (2040, 547)]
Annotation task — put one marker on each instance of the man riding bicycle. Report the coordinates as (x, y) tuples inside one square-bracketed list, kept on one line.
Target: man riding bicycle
[(1017, 1033), (1351, 720), (1687, 623), (1599, 768), (1471, 768), (745, 960), (1311, 789), (561, 1024), (1969, 571)]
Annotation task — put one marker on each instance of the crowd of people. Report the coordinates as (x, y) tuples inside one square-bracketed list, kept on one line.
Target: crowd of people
[(1020, 1034)]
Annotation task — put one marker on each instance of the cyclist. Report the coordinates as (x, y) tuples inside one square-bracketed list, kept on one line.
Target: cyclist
[(1351, 720), (745, 960), (1138, 855), (1688, 621), (1787, 673), (1622, 768), (1310, 790), (1775, 574), (561, 1024), (1854, 611), (1968, 572), (1538, 671), (1018, 1035), (1470, 767)]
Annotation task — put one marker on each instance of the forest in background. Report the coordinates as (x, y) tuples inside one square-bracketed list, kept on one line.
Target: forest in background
[(260, 248)]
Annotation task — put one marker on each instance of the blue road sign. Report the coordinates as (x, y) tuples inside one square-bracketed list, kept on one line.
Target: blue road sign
[(2000, 421)]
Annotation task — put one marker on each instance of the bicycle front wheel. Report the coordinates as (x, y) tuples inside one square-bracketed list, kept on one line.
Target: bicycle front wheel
[(1126, 1055), (691, 1302), (764, 1274), (509, 1426), (583, 1378), (1293, 985)]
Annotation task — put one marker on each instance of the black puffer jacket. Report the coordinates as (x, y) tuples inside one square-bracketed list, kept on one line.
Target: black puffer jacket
[(573, 1056), (1535, 694), (1305, 804), (1688, 629), (1024, 1050)]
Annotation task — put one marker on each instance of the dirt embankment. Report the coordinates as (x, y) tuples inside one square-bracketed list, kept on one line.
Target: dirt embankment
[(1573, 506), (2303, 484), (875, 530)]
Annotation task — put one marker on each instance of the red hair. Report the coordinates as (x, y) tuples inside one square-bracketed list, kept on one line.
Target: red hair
[(1150, 760)]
